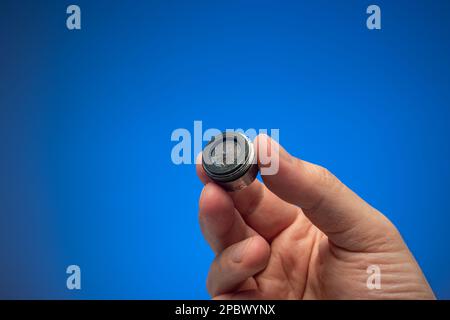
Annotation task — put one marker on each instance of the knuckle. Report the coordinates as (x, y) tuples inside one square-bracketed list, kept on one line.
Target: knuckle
[(390, 229), (325, 177), (328, 181)]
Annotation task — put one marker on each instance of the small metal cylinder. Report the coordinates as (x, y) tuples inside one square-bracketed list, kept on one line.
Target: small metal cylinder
[(229, 159)]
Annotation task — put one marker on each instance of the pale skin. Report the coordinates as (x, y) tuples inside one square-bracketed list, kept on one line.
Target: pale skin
[(302, 234)]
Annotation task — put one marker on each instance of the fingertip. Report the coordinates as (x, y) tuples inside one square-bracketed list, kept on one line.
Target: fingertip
[(262, 145), (216, 209), (214, 197), (200, 171)]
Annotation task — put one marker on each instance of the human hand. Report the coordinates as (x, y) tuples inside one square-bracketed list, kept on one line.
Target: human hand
[(302, 235)]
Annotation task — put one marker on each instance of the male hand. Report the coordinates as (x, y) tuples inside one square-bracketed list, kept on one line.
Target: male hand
[(302, 235)]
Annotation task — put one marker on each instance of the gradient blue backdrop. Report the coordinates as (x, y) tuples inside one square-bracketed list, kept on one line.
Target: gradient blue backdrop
[(86, 118)]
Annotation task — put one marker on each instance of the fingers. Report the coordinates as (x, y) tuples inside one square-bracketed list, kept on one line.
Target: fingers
[(236, 264), (262, 210), (345, 218), (221, 225)]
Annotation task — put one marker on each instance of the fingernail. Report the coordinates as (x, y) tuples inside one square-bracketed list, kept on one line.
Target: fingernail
[(238, 253)]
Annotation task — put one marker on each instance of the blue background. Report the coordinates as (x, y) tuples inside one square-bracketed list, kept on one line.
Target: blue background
[(86, 117)]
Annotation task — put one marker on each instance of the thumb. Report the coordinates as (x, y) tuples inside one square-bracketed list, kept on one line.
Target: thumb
[(347, 220)]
